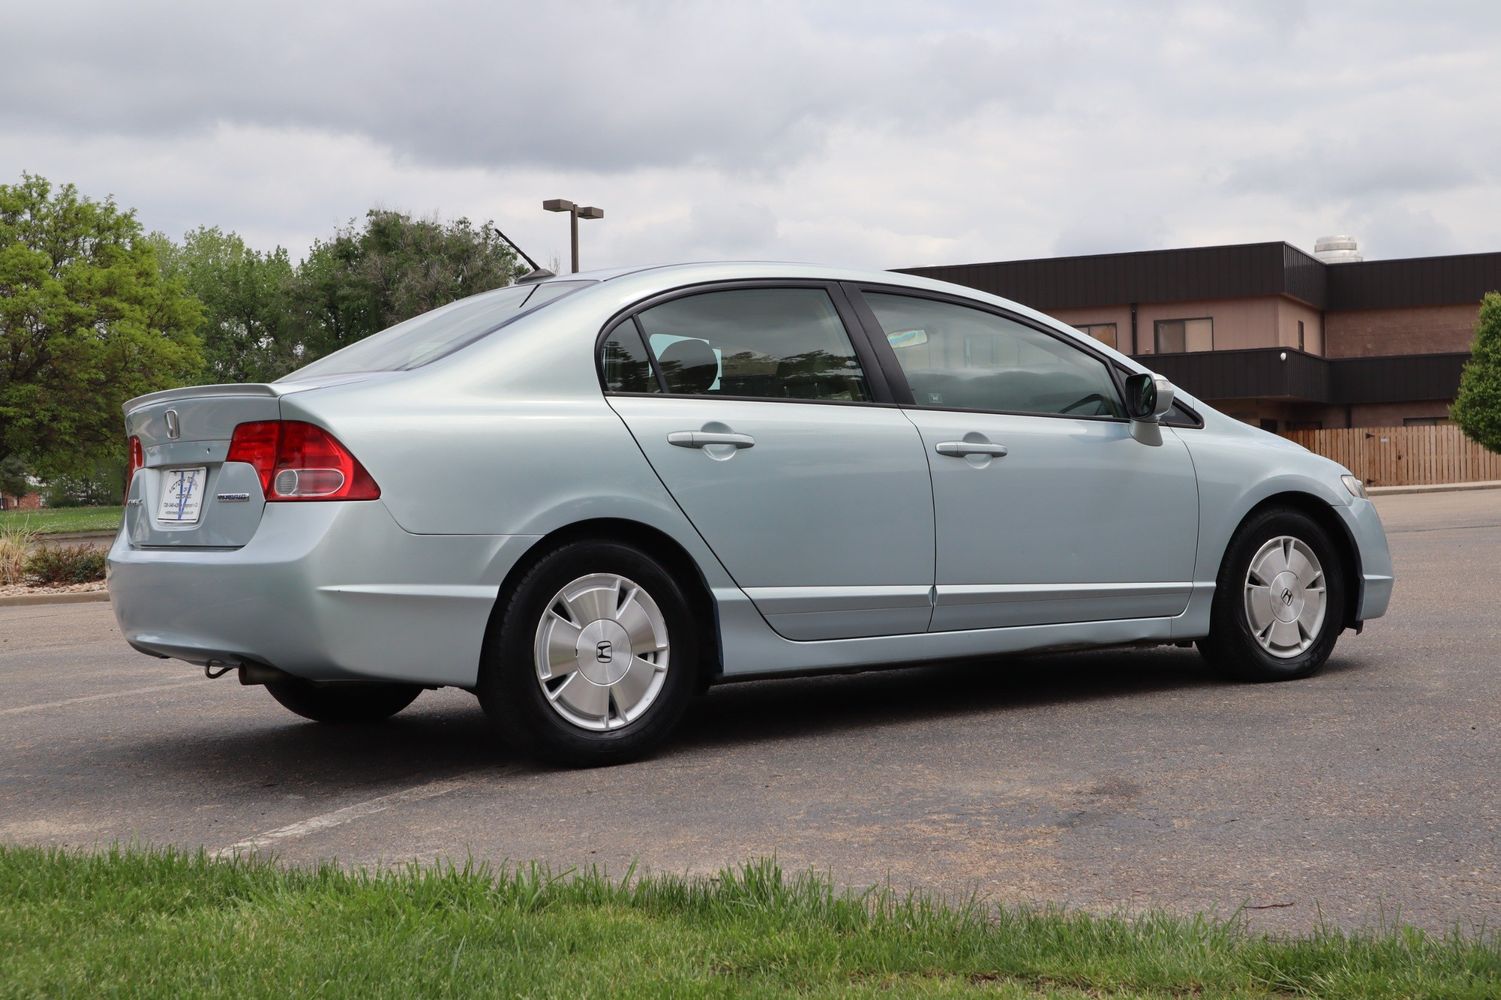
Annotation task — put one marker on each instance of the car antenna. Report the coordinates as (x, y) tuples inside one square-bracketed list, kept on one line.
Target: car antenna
[(536, 273)]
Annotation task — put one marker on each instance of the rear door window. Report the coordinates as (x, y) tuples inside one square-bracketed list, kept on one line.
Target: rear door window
[(624, 362), (758, 343)]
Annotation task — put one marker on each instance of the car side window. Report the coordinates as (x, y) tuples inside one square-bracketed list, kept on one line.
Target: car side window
[(764, 343), (1179, 416), (957, 357), (624, 361)]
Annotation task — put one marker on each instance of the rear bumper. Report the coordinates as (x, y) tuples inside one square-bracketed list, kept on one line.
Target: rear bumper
[(324, 591), (1365, 528)]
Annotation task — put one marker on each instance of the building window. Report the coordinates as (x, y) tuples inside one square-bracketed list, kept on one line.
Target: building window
[(1103, 332), (1300, 336), (1425, 421), (1177, 336)]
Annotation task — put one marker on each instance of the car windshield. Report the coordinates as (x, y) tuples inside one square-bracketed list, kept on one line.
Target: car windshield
[(438, 333)]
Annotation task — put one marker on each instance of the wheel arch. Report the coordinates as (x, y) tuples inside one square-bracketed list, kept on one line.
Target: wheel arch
[(1339, 534), (655, 543)]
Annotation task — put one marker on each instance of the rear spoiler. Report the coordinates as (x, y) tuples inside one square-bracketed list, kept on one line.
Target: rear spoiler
[(271, 389), (199, 391)]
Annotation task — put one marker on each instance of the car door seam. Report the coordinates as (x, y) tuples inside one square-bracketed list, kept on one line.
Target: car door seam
[(922, 445)]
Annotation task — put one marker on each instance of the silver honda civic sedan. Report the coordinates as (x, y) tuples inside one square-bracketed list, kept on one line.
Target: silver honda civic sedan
[(586, 499)]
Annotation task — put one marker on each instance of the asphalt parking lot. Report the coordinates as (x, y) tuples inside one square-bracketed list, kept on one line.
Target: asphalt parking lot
[(1109, 780)]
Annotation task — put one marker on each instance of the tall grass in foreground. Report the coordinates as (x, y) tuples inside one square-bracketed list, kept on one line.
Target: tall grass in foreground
[(15, 547), (160, 923)]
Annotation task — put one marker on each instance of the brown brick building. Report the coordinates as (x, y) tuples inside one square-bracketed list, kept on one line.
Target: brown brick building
[(30, 501), (1266, 332)]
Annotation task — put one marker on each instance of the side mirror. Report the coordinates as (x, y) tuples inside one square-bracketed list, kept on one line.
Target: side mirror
[(1149, 397)]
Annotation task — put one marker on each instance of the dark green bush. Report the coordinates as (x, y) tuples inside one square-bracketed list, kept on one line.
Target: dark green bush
[(57, 565), (1477, 408)]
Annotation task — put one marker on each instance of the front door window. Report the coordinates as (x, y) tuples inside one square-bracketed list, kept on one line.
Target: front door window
[(955, 357)]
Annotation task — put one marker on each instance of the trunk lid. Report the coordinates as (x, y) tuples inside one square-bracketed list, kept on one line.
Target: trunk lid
[(185, 493)]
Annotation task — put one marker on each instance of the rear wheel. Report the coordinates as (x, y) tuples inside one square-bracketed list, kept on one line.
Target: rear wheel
[(343, 703), (594, 659), (1279, 600)]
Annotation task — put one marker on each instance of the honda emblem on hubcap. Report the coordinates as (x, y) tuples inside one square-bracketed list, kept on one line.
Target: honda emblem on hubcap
[(603, 652)]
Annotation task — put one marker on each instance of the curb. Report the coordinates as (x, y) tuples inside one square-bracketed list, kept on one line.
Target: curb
[(75, 597), (1389, 491), (74, 537)]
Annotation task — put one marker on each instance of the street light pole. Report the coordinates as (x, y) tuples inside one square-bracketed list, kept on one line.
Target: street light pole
[(575, 213)]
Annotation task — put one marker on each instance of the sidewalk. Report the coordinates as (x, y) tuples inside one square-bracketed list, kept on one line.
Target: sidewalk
[(1386, 491), (54, 597)]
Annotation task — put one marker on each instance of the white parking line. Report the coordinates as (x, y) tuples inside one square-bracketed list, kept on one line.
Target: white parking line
[(339, 817), (97, 697)]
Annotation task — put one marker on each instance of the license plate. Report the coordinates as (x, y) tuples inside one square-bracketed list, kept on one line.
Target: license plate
[(182, 495)]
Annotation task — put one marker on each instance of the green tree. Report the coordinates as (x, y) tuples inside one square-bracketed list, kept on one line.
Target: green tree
[(14, 480), (86, 322), (249, 329), (101, 485), (393, 268), (1477, 408)]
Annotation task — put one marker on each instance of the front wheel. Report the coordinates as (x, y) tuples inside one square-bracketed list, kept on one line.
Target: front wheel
[(594, 659), (1279, 600), (343, 703)]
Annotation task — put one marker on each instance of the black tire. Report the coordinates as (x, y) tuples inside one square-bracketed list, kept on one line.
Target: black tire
[(1231, 646), (514, 698), (344, 704)]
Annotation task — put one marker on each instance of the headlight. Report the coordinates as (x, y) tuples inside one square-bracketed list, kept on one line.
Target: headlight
[(1355, 486)]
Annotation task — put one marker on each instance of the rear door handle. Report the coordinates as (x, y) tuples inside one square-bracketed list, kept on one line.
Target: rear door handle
[(959, 449), (698, 439)]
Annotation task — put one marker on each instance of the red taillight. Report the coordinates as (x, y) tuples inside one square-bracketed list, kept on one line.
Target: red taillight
[(256, 444), (137, 459), (299, 461)]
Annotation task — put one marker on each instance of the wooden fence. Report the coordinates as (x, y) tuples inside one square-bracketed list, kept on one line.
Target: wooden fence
[(1404, 456)]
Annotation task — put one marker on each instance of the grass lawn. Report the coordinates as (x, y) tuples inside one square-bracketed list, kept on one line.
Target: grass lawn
[(61, 520), (139, 923)]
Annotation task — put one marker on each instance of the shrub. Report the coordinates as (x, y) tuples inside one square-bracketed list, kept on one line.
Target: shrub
[(15, 545), (58, 565), (101, 486), (1477, 408)]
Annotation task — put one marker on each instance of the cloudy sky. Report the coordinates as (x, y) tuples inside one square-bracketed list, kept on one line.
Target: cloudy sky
[(874, 133)]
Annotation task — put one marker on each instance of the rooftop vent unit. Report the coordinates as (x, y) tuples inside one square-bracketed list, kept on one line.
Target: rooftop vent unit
[(1336, 250)]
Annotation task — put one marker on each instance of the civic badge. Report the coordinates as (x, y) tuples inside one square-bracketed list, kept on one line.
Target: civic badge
[(174, 429)]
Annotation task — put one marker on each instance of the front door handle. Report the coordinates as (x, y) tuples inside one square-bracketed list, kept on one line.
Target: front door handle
[(698, 439), (960, 449)]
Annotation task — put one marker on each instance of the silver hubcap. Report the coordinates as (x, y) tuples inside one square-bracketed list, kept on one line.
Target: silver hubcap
[(1285, 596), (601, 652)]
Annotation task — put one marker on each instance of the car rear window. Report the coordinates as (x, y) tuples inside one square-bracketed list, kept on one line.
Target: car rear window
[(437, 333)]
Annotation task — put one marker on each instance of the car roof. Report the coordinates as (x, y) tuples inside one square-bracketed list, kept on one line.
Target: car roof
[(650, 279), (675, 272), (669, 276)]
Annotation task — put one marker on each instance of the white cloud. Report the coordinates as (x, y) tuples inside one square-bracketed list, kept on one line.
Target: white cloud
[(886, 134)]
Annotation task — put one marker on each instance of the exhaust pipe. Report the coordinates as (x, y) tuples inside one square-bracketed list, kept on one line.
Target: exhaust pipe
[(262, 673)]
